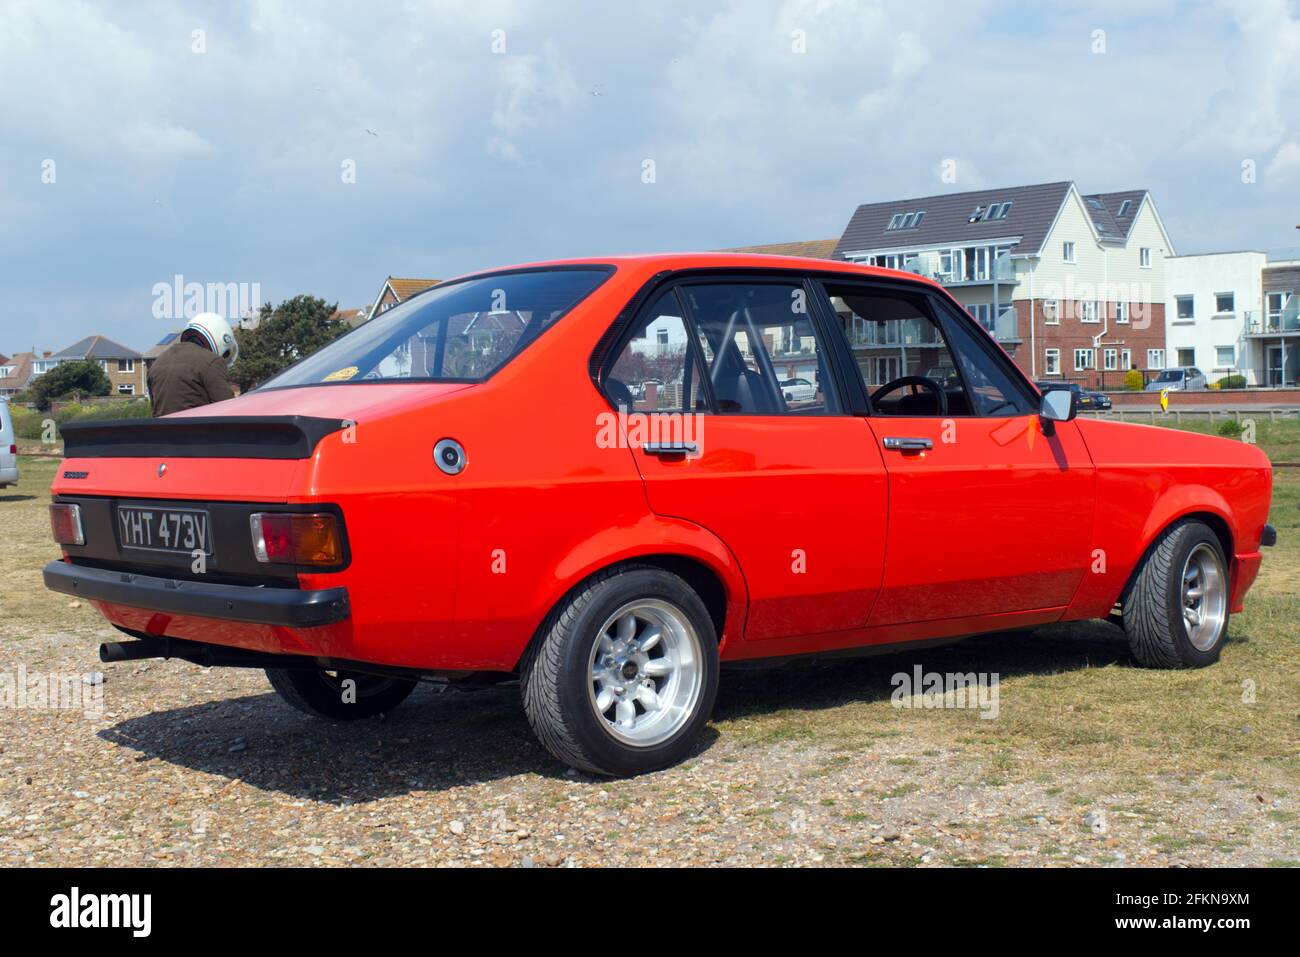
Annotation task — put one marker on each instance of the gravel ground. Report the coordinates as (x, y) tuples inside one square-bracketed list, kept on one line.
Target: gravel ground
[(195, 766), (1090, 762)]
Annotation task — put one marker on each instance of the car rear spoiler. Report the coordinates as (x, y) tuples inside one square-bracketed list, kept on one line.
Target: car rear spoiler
[(217, 437)]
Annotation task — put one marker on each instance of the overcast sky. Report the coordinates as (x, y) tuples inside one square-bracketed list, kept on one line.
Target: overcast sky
[(222, 157)]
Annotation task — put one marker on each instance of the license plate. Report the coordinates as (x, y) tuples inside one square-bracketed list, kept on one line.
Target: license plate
[(179, 530)]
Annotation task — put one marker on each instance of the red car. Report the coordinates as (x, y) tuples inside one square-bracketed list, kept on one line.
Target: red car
[(587, 475)]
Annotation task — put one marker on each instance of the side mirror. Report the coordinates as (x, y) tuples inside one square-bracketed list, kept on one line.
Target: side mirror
[(1059, 405)]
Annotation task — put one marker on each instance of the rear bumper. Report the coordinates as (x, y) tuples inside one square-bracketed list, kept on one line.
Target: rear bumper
[(9, 476), (289, 607)]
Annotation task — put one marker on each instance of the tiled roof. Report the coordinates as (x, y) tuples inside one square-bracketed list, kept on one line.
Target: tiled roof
[(811, 249), (352, 317), (165, 343), (947, 219), (97, 347), (406, 288), (1104, 209), (22, 373)]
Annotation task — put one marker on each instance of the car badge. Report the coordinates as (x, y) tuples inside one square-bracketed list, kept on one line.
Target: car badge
[(162, 469)]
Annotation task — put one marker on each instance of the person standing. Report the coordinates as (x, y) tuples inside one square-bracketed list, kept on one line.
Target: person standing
[(195, 370)]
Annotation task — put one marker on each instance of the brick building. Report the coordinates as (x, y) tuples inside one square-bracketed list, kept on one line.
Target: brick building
[(125, 366), (1071, 285)]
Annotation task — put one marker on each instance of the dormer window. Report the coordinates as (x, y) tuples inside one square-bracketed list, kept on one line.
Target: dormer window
[(1124, 207)]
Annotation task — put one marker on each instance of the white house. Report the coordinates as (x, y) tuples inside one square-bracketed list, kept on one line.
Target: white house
[(1071, 284), (1212, 300), (1236, 312)]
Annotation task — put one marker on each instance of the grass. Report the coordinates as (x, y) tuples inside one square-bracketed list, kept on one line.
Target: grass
[(1071, 699), (1070, 694)]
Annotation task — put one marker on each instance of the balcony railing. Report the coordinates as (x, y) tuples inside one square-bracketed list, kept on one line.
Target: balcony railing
[(1004, 327), (1275, 321), (930, 265)]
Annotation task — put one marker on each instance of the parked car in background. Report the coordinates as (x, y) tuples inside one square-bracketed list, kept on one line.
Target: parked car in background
[(1183, 379), (432, 498), (1087, 399), (8, 446), (798, 390)]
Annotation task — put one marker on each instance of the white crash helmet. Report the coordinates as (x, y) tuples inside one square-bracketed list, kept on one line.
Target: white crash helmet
[(218, 335)]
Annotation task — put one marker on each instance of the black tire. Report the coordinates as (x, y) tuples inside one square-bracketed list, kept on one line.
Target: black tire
[(321, 693), (1153, 606), (556, 679)]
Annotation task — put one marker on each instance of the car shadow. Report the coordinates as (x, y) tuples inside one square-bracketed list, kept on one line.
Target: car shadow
[(817, 683), (436, 741), (17, 498)]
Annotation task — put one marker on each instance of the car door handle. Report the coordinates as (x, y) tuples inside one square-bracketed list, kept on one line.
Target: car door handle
[(899, 443), (669, 448)]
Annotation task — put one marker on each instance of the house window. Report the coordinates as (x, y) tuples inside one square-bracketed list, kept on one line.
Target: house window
[(125, 365), (1124, 207), (1067, 251), (1088, 311), (1225, 357), (1126, 359), (1144, 257), (1084, 359), (1052, 359), (1110, 359), (1155, 358), (126, 388), (1183, 307), (1052, 312), (906, 220), (1225, 302), (1121, 313), (1187, 357)]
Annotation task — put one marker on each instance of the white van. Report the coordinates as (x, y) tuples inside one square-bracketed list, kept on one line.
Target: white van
[(8, 447)]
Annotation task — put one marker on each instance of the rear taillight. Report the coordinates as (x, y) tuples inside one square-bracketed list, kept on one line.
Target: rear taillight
[(13, 450), (296, 538), (65, 523)]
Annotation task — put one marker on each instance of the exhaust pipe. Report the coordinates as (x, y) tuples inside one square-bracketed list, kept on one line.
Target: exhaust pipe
[(196, 652), (111, 651)]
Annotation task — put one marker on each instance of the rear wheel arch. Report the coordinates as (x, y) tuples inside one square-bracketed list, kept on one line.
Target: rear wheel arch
[(705, 580)]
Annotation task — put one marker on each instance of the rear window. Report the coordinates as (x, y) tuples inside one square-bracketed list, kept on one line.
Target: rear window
[(456, 332), (1170, 375)]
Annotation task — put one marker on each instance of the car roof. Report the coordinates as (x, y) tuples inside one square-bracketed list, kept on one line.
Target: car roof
[(678, 261)]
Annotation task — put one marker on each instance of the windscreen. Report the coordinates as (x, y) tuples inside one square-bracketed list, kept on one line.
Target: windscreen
[(460, 331)]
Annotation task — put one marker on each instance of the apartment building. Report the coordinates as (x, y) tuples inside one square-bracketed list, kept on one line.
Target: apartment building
[(1273, 341), (1071, 285), (1236, 313)]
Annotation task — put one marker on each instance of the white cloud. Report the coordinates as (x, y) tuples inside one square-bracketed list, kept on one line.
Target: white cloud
[(1285, 166)]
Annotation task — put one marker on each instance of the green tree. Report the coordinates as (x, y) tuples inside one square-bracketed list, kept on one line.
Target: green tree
[(294, 329), (80, 378)]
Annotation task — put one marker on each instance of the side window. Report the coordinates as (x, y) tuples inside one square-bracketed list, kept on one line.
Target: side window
[(656, 370), (991, 388), (896, 336), (762, 348)]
